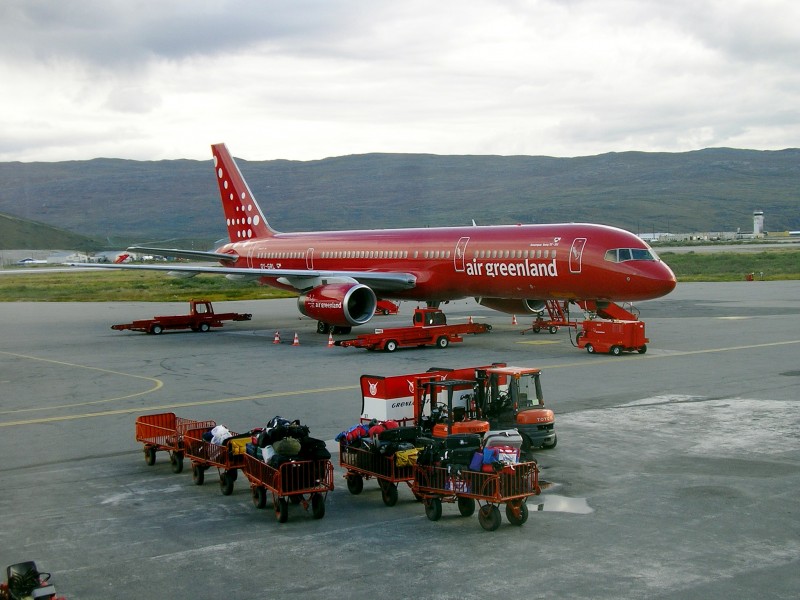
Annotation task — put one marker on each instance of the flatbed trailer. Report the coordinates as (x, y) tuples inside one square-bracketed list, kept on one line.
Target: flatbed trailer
[(164, 432), (201, 318), (430, 328), (305, 482)]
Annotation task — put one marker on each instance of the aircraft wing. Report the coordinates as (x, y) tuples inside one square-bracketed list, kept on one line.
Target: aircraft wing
[(193, 254), (300, 279)]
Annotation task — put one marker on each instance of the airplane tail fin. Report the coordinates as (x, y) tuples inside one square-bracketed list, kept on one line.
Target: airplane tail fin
[(242, 214)]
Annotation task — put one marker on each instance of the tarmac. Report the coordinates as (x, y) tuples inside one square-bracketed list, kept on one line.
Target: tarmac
[(676, 473)]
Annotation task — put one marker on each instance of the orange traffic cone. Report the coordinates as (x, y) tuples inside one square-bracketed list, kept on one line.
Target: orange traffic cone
[(277, 339), (513, 319), (296, 341), (330, 340)]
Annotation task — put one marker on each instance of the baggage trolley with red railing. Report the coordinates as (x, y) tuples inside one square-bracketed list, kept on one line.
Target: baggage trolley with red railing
[(164, 432), (512, 486), (305, 482), (362, 463), (228, 457)]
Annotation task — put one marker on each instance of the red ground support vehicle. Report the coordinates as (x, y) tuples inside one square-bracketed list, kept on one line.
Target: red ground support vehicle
[(228, 458), (430, 329), (614, 337), (164, 432), (201, 317), (305, 482), (386, 307), (24, 581)]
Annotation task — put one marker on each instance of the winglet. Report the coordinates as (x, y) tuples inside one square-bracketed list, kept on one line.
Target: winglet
[(243, 216)]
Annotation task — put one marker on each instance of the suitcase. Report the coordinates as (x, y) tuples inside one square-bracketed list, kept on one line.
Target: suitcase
[(460, 456), (504, 437), (400, 434), (463, 440)]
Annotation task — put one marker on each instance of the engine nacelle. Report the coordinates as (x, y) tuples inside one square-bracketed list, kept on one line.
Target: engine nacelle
[(341, 304), (513, 306)]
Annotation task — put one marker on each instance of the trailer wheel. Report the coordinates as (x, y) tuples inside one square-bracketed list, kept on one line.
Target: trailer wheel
[(443, 342), (150, 455), (517, 512), (389, 494), (317, 506), (176, 459), (553, 329), (536, 329), (226, 480), (198, 474), (204, 327), (281, 509), (433, 508), (156, 329), (590, 348), (642, 350), (259, 497), (615, 350), (489, 517), (355, 483), (466, 506), (390, 346)]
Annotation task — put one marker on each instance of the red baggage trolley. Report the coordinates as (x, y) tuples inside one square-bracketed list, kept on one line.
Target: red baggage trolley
[(305, 482), (165, 431), (511, 486), (228, 458), (361, 463)]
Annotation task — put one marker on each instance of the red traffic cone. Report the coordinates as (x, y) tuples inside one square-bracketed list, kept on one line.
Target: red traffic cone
[(513, 319), (277, 339), (330, 340), (296, 341)]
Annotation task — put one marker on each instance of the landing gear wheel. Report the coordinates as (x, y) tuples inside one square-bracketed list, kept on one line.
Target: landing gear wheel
[(433, 508), (259, 497), (317, 506), (323, 327), (390, 346), (150, 455), (516, 512), (489, 517), (642, 350), (281, 509), (204, 327), (590, 348), (176, 459), (355, 483), (198, 474), (389, 494), (443, 342), (226, 480), (466, 506), (615, 351)]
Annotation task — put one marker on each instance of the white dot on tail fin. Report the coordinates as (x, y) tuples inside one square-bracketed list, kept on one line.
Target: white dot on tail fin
[(256, 220), (219, 172), (225, 184)]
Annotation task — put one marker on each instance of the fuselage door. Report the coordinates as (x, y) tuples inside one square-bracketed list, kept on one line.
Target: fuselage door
[(575, 255), (460, 254), (310, 259)]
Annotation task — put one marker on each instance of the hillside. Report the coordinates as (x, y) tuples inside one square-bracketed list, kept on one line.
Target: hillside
[(22, 234), (131, 201)]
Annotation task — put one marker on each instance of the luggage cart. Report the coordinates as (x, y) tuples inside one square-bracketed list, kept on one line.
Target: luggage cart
[(164, 432), (305, 482), (227, 458), (362, 463), (511, 486)]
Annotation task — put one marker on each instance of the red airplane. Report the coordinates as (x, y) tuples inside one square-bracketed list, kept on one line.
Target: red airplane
[(340, 275)]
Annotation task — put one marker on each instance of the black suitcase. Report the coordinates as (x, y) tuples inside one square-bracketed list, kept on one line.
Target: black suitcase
[(463, 440), (400, 434)]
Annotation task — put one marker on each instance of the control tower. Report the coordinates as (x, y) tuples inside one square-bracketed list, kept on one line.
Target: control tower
[(758, 223)]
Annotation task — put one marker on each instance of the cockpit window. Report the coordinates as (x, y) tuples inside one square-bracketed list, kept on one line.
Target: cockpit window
[(626, 254)]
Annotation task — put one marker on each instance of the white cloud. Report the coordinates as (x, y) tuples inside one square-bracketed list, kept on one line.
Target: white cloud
[(310, 79)]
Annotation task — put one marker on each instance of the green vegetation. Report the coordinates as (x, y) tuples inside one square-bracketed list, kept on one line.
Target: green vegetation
[(130, 286), (734, 266)]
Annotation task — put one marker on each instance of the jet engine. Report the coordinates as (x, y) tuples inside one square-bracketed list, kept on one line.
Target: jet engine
[(513, 306), (341, 304)]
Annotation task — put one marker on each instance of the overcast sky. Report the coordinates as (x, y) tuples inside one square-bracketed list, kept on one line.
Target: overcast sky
[(305, 79)]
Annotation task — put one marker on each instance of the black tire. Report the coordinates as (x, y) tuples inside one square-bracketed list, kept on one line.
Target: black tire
[(317, 506), (198, 474), (536, 329), (204, 327), (517, 512), (176, 459), (642, 350), (226, 481), (390, 346), (150, 455), (615, 350), (489, 517), (355, 484), (443, 342), (433, 508), (281, 510), (323, 327), (553, 329), (590, 348), (466, 506), (259, 497), (156, 329), (553, 445), (389, 494)]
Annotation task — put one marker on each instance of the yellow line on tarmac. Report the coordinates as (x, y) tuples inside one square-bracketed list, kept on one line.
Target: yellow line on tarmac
[(165, 407)]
